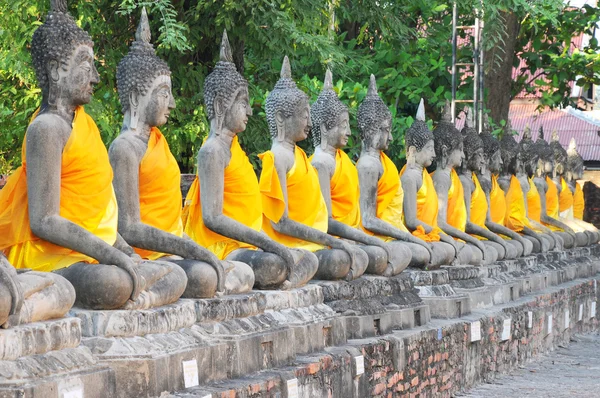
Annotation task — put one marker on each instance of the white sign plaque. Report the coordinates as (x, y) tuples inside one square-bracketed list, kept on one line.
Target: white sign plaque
[(292, 388), (475, 331), (580, 317), (190, 373), (72, 388), (75, 393), (593, 310), (360, 365), (506, 329), (567, 319), (549, 324), (529, 319)]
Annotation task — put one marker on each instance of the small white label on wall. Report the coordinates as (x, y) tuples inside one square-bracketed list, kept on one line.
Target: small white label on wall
[(75, 393), (292, 388), (549, 324), (360, 365), (71, 388), (190, 373), (207, 396), (593, 310), (567, 319), (580, 316), (506, 329), (529, 319), (475, 331)]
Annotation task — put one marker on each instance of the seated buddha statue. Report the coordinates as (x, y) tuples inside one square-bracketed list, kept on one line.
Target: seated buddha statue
[(452, 214), (514, 182), (381, 194), (147, 177), (294, 210), (488, 179), (474, 196), (223, 208), (62, 206), (549, 202), (338, 178), (420, 203)]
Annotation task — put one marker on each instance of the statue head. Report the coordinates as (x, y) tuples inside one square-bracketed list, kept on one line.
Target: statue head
[(527, 156), (418, 140), (544, 153), (329, 116), (559, 153), (144, 81), (574, 162), (509, 151), (374, 120), (473, 145), (287, 108), (448, 141), (491, 148), (226, 96), (63, 59)]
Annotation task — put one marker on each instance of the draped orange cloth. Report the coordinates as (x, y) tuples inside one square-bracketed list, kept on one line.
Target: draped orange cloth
[(457, 211), (87, 199), (497, 202), (345, 191), (534, 202), (551, 199), (427, 209), (516, 217), (566, 196), (578, 202), (160, 198), (241, 202), (479, 205), (305, 201)]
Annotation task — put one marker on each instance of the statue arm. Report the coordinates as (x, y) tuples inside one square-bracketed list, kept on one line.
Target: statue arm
[(545, 218), (409, 203)]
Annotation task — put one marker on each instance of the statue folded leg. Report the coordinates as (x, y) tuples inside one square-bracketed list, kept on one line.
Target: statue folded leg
[(378, 261), (336, 264)]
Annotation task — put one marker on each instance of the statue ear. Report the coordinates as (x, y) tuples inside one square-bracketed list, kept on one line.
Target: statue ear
[(219, 107), (280, 122), (323, 129), (54, 90), (134, 114), (53, 71)]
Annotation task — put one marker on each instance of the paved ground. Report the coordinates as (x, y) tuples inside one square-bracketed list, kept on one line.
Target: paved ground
[(566, 372)]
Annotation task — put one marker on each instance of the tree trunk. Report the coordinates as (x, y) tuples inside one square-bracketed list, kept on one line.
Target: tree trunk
[(498, 70)]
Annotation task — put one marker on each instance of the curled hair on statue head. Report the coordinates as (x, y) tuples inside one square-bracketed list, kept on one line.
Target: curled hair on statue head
[(371, 112), (446, 136), (418, 134), (326, 109)]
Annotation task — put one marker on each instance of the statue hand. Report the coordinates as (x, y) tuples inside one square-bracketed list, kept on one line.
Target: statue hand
[(287, 257), (481, 247), (351, 250), (129, 264), (217, 265)]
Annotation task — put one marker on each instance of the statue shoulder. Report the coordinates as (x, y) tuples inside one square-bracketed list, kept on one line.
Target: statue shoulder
[(127, 146), (49, 128), (369, 165), (213, 153), (324, 162)]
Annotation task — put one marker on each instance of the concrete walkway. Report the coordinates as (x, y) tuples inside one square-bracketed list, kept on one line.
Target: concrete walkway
[(572, 371)]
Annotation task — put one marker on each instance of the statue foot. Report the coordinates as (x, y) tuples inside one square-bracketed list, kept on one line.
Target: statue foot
[(202, 278), (334, 264), (378, 259)]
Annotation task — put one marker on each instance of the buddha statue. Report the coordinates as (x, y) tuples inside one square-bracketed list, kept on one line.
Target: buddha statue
[(420, 202), (147, 177), (294, 210), (223, 208), (452, 213), (61, 201), (474, 196), (488, 178), (381, 194), (338, 179), (549, 202), (518, 194)]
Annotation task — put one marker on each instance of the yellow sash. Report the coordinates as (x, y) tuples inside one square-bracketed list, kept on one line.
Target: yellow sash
[(457, 211), (345, 191), (497, 202), (578, 202), (551, 198), (479, 205), (305, 201), (516, 218), (159, 190), (241, 202), (566, 197), (534, 203), (427, 209), (87, 199)]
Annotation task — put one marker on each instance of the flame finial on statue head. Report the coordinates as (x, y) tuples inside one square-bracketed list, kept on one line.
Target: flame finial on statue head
[(527, 132), (421, 111), (58, 5), (572, 146), (541, 133), (447, 112), (469, 122), (225, 54), (142, 33), (286, 69), (372, 90), (554, 136), (328, 82)]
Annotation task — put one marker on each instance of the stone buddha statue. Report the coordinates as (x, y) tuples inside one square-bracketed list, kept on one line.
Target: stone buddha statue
[(223, 208), (420, 202), (338, 178), (62, 199), (294, 210), (518, 194), (488, 178), (549, 201), (147, 177), (452, 213), (474, 196)]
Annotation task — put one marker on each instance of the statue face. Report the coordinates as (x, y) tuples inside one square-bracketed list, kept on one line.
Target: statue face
[(456, 157), (338, 135), (476, 160), (425, 156), (559, 168), (577, 173), (548, 166), (495, 162), (77, 78), (158, 101), (236, 116), (298, 125), (383, 136)]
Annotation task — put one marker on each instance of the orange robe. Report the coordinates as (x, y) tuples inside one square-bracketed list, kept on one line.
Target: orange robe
[(552, 199), (534, 202), (479, 206), (457, 210), (516, 217), (565, 198), (160, 198), (241, 202), (497, 202), (87, 199), (578, 202), (345, 191), (305, 201), (427, 209)]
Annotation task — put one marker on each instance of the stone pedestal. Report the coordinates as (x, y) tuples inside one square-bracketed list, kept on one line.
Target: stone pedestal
[(435, 290)]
